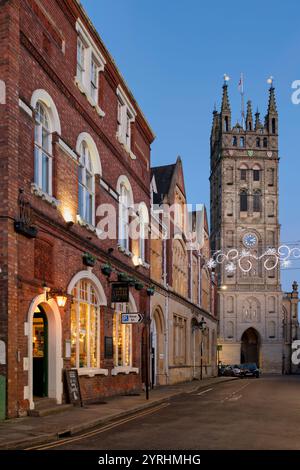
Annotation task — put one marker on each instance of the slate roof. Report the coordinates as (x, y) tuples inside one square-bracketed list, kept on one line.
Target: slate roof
[(163, 177)]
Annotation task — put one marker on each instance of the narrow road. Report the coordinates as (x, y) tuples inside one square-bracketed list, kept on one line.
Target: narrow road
[(244, 414)]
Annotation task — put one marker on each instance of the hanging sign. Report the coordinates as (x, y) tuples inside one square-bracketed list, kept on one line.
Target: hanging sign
[(119, 292)]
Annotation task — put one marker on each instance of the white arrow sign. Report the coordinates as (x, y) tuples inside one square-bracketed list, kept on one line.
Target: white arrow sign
[(132, 318)]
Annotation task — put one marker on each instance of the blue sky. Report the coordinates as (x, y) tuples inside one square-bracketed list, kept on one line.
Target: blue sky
[(173, 55)]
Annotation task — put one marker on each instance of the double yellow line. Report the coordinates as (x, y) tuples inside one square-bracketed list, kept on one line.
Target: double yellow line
[(103, 429)]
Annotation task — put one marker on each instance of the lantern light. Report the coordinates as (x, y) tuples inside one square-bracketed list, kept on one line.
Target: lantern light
[(61, 300)]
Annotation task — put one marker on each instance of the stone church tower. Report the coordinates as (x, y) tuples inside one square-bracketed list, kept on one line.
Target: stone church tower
[(245, 228)]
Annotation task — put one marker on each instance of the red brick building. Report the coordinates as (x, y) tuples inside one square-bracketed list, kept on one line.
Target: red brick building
[(72, 138)]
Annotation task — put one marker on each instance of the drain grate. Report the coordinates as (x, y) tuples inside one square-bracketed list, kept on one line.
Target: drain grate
[(63, 434)]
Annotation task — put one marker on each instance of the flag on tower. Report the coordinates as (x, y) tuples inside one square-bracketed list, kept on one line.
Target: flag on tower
[(241, 84)]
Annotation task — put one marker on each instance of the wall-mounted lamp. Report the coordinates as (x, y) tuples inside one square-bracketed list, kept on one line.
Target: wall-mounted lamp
[(61, 300)]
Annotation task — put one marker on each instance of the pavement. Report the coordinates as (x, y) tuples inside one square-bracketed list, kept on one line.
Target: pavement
[(25, 432)]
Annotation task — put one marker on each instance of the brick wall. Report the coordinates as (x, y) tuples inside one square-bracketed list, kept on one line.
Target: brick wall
[(38, 51)]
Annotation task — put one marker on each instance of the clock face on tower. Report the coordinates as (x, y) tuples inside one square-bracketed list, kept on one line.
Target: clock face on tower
[(250, 240)]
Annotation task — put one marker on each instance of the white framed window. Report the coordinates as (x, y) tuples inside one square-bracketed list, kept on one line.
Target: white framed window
[(126, 116), (122, 342), (43, 149), (81, 50), (90, 62), (86, 185), (143, 230), (124, 217), (94, 79), (85, 326)]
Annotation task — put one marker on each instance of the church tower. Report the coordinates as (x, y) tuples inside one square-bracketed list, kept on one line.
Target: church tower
[(245, 229)]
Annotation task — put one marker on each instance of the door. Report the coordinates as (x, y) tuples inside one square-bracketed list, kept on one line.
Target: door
[(40, 354)]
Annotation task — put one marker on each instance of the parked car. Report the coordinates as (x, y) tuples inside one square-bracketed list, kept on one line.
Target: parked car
[(232, 371), (250, 370)]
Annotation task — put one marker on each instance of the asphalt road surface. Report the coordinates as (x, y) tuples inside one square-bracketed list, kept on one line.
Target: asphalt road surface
[(243, 414)]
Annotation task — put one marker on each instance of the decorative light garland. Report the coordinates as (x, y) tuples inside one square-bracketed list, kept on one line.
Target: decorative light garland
[(244, 259)]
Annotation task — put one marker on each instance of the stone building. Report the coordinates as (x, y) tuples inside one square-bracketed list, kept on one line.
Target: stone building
[(245, 229), (184, 298), (72, 139)]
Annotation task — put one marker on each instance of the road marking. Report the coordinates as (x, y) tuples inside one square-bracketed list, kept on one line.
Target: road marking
[(204, 391), (229, 397), (99, 431), (235, 398)]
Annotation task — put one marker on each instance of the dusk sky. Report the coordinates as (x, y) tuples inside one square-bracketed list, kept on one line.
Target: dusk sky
[(173, 55)]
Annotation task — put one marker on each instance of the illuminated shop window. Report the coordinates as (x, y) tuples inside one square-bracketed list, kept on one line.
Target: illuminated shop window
[(85, 326)]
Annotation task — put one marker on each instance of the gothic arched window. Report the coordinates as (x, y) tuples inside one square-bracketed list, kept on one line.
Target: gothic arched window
[(243, 201), (265, 142), (258, 142), (257, 201), (226, 124)]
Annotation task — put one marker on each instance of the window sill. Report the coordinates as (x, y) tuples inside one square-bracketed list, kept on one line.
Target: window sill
[(127, 149), (37, 191), (124, 370), (92, 102), (89, 227), (125, 251), (90, 372)]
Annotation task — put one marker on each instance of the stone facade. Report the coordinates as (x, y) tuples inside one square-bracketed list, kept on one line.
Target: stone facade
[(244, 217), (184, 288)]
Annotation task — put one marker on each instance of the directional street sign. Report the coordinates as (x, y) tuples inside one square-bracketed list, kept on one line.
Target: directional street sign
[(128, 318)]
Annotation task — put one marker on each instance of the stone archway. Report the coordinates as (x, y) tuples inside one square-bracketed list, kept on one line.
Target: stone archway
[(250, 346)]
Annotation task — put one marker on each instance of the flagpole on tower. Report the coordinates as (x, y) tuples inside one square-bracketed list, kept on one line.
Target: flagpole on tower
[(241, 88)]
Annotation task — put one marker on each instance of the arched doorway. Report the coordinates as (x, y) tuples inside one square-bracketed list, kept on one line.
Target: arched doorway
[(250, 347), (40, 353), (45, 348)]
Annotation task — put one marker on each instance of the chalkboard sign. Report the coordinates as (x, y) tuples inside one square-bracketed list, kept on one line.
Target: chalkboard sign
[(119, 292), (73, 386)]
